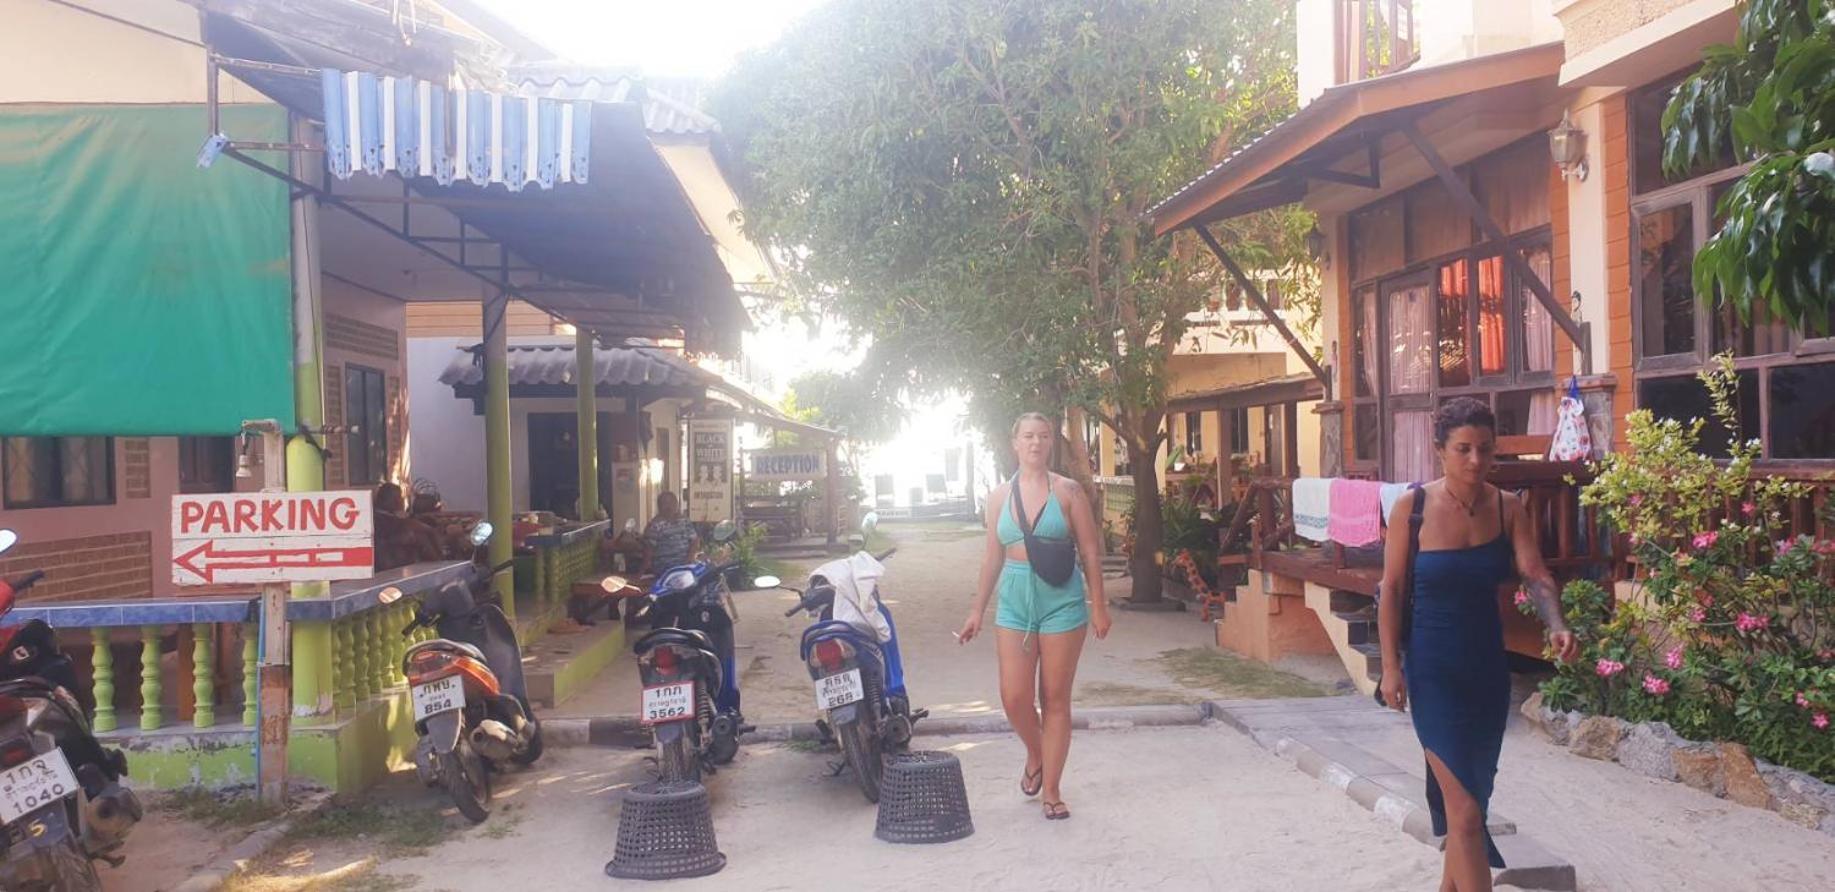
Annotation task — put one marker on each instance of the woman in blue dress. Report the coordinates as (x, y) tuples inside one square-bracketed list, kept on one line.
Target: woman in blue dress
[(1474, 539)]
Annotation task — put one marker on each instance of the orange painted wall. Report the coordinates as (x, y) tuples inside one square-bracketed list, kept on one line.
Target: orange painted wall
[(1616, 168)]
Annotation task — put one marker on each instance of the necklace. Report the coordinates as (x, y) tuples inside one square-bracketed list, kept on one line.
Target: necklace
[(1471, 508)]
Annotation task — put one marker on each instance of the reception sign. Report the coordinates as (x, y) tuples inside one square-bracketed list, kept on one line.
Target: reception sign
[(782, 465)]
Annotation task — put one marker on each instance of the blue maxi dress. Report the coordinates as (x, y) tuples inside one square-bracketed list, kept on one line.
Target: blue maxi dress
[(1458, 678)]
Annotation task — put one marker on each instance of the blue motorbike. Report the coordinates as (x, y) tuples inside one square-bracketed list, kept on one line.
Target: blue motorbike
[(851, 650), (686, 663)]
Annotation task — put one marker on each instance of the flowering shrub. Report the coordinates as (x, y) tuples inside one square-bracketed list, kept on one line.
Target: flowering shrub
[(1730, 634)]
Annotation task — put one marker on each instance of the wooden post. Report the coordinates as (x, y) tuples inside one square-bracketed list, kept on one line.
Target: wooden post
[(275, 706), (832, 489)]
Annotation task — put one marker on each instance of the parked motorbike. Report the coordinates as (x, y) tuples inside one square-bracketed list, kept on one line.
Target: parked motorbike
[(471, 705), (851, 650), (690, 680), (61, 800)]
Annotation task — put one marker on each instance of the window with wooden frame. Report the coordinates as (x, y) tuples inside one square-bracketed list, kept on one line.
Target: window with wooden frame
[(1374, 37), (1786, 374), (57, 472), (1194, 434), (206, 464), (366, 410), (1438, 314)]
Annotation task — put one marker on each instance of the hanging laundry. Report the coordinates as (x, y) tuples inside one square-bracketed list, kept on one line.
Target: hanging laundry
[(1391, 492), (1312, 508), (1356, 518)]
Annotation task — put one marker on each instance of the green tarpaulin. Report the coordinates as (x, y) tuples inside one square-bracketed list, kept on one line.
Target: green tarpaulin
[(140, 295)]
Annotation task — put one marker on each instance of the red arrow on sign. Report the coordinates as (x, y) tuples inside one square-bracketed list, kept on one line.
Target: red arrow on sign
[(206, 560)]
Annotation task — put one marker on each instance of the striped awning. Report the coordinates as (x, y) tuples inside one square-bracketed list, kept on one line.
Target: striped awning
[(377, 124)]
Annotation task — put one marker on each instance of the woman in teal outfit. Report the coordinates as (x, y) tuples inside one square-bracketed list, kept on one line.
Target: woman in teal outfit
[(1040, 628)]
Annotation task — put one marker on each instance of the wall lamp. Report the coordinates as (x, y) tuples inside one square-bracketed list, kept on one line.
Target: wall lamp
[(1568, 145)]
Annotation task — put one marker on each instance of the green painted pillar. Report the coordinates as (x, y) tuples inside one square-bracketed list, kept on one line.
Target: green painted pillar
[(363, 674), (203, 691), (311, 646), (250, 637), (586, 381), (343, 684), (150, 688), (497, 442)]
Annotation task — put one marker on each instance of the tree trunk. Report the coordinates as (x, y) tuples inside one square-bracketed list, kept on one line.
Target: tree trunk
[(1077, 457), (1149, 526)]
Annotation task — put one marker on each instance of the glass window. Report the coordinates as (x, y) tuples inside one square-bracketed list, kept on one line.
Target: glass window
[(50, 472), (1538, 324), (1524, 412), (1454, 306), (1647, 138), (1366, 432), (1363, 305), (1803, 411), (1413, 446), (206, 464), (1666, 292), (1685, 398), (1411, 339), (1493, 333), (1194, 434), (1239, 431), (366, 410)]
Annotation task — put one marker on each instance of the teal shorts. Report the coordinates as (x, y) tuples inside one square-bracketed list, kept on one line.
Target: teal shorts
[(1030, 604)]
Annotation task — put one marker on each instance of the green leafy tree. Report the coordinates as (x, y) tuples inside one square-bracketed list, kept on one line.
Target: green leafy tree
[(966, 181), (1771, 95)]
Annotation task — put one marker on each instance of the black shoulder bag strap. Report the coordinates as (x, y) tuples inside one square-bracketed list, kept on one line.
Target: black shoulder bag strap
[(1054, 560), (1407, 593)]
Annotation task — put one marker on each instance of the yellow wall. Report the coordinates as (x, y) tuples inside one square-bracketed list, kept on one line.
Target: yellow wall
[(54, 53)]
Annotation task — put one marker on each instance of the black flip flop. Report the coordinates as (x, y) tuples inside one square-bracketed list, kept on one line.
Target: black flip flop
[(1056, 811), (1031, 787)]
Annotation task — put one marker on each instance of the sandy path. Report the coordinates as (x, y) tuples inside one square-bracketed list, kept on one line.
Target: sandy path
[(1140, 823), (928, 586)]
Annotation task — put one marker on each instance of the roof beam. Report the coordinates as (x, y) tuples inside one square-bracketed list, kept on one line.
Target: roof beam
[(1371, 180), (1576, 333), (1261, 303)]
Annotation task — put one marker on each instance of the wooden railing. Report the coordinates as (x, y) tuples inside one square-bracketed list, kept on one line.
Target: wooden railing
[(1811, 515), (1375, 37)]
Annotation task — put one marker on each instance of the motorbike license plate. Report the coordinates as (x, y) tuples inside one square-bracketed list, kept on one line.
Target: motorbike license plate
[(667, 703), (26, 788), (839, 690), (437, 696)]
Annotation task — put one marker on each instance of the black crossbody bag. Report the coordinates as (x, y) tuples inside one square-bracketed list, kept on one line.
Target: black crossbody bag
[(1053, 559), (1407, 593)]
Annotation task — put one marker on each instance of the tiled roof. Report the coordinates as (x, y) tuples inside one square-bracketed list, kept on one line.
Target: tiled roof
[(612, 367), (671, 106)]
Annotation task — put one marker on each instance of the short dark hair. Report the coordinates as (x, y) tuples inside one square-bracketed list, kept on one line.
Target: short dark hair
[(1462, 412)]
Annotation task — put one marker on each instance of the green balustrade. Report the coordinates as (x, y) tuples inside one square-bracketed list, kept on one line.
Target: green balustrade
[(344, 698), (150, 688), (379, 651), (250, 645), (102, 664), (203, 687)]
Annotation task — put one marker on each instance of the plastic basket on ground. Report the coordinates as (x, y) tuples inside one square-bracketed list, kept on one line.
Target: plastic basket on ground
[(922, 799), (665, 832)]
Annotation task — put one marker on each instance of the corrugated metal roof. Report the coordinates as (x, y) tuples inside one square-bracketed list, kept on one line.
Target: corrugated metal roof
[(671, 106), (612, 367)]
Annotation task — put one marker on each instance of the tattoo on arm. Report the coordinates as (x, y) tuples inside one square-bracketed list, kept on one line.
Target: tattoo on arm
[(1547, 603)]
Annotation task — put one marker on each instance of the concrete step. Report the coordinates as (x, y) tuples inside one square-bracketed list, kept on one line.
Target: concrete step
[(1373, 657), (1531, 866), (559, 665)]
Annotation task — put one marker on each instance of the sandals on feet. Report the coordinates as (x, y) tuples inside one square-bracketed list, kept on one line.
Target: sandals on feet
[(1056, 811), (1032, 782)]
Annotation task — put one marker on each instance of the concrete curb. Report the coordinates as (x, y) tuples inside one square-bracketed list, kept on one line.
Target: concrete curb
[(626, 731), (212, 876), (1394, 795)]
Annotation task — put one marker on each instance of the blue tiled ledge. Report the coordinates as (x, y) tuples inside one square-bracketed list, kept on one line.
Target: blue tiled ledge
[(571, 536), (359, 595), (354, 596)]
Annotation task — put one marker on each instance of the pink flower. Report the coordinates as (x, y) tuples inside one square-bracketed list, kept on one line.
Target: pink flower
[(1803, 701), (1637, 539), (1522, 597), (1704, 598), (1637, 499), (1750, 623), (1698, 614), (1783, 546), (1673, 659), (1655, 685), (1749, 509), (1706, 540), (1820, 720), (1825, 548), (1608, 668)]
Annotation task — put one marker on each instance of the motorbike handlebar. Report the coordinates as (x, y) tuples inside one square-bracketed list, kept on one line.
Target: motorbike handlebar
[(887, 554)]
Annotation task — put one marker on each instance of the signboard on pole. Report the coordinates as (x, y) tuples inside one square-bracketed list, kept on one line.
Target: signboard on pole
[(710, 470), (781, 465), (272, 537)]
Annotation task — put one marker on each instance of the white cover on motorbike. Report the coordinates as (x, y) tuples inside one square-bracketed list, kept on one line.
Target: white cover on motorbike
[(856, 582)]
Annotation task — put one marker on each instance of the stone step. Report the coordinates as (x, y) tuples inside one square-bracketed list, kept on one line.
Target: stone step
[(1373, 657), (1531, 866), (1351, 601)]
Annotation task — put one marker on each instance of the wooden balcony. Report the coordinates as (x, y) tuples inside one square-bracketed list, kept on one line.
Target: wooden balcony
[(1374, 38)]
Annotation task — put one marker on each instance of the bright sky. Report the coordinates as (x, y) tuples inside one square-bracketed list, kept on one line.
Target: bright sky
[(663, 37)]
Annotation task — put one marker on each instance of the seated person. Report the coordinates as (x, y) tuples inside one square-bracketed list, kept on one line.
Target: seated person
[(401, 539), (669, 540)]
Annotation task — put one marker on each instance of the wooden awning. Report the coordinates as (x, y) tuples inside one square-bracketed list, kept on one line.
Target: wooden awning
[(1299, 388)]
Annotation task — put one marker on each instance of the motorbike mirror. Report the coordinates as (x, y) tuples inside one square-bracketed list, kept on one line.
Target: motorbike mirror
[(762, 582), (869, 523), (7, 539), (614, 584), (724, 531), (388, 595), (481, 533)]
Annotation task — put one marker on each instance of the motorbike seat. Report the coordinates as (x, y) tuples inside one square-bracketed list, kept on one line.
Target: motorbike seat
[(862, 638), (692, 638), (446, 644)]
